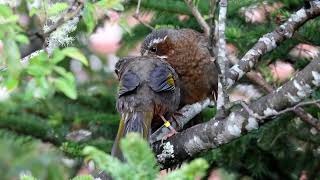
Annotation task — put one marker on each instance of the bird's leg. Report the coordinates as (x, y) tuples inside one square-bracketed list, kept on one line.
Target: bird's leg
[(175, 119), (168, 125)]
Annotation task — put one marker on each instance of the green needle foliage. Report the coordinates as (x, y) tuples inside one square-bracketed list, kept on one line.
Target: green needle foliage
[(140, 162)]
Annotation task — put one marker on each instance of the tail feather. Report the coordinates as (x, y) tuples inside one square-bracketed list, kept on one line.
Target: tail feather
[(139, 122)]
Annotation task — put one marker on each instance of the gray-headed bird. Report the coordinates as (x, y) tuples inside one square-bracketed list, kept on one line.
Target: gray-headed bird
[(149, 91)]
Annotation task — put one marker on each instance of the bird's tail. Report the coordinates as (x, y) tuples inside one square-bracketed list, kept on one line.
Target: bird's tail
[(139, 122)]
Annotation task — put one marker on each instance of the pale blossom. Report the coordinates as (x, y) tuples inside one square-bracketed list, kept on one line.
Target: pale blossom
[(281, 71), (304, 51), (258, 13), (106, 40)]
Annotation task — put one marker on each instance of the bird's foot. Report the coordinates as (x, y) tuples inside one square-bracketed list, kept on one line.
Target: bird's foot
[(171, 133), (175, 120), (172, 129)]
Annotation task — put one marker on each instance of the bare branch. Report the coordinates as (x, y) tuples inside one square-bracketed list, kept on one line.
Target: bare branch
[(205, 27), (137, 16), (271, 40), (302, 114), (222, 56)]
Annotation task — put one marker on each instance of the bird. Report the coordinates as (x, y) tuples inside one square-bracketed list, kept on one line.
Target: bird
[(187, 51), (149, 92)]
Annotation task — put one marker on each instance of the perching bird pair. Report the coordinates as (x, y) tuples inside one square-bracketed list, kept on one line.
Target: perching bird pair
[(175, 69)]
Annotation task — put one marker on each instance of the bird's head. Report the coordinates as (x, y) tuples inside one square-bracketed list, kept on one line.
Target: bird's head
[(121, 65), (157, 43)]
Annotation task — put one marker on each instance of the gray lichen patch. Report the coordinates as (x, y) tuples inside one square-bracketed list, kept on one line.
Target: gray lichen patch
[(292, 98), (252, 124), (298, 16), (237, 69), (234, 124), (270, 42), (304, 90), (195, 144), (167, 152), (316, 77), (270, 112)]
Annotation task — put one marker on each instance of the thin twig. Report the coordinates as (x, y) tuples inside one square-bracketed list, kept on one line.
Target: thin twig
[(255, 78), (68, 15), (298, 105), (205, 27), (137, 16), (212, 37)]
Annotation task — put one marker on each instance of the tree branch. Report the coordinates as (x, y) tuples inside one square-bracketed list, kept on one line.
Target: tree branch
[(271, 40), (137, 16), (205, 27), (216, 132), (223, 98), (74, 10), (67, 16), (255, 78)]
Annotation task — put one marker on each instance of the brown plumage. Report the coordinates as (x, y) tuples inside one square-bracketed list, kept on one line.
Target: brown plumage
[(149, 89), (187, 52)]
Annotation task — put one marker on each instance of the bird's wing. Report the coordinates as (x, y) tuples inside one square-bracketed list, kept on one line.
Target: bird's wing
[(128, 83), (161, 79)]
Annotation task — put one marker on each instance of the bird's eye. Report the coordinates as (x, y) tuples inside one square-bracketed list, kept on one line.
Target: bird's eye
[(153, 49), (117, 73)]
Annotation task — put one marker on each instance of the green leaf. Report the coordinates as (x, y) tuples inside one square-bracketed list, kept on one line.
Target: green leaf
[(124, 25), (88, 17), (118, 7), (11, 82), (86, 177), (75, 54), (22, 39), (38, 70), (12, 56), (27, 177), (57, 56), (67, 86), (39, 65), (107, 4), (5, 11), (57, 8), (33, 11)]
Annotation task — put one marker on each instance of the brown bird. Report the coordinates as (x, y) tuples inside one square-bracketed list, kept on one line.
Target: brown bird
[(149, 91), (187, 52)]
